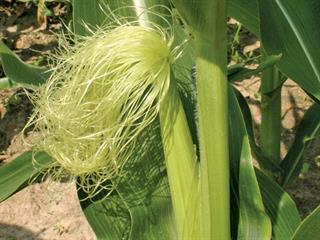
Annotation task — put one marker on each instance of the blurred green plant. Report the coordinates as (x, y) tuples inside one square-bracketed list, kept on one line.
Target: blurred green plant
[(236, 45), (36, 2)]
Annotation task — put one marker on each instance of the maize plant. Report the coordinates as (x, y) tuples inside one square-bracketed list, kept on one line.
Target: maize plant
[(138, 108)]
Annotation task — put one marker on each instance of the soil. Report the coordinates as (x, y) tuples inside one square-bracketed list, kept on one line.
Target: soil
[(51, 210)]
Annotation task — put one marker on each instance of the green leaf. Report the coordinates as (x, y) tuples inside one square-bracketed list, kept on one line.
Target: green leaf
[(238, 72), (16, 174), (246, 12), (252, 214), (246, 113), (108, 216), (280, 207), (253, 222), (89, 13), (145, 189), (155, 221), (308, 129), (290, 28), (140, 207), (309, 228), (6, 83), (25, 74)]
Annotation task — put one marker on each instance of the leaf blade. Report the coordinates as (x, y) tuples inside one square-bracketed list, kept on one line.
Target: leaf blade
[(279, 206), (109, 217), (240, 73), (253, 222), (25, 74), (16, 173), (308, 129), (291, 30), (309, 228), (246, 12)]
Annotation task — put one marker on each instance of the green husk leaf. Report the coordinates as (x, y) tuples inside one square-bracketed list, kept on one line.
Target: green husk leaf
[(109, 217), (145, 189), (143, 192), (154, 221), (141, 199), (182, 165)]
